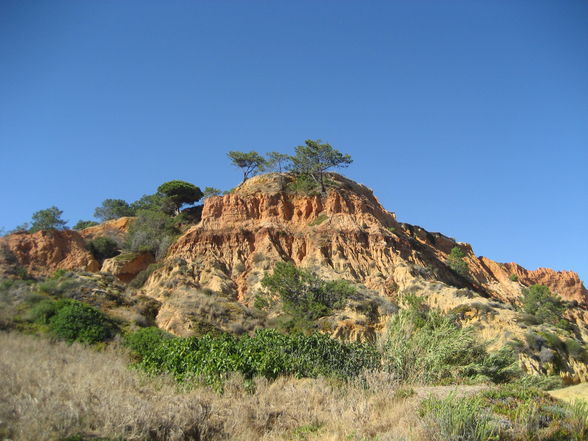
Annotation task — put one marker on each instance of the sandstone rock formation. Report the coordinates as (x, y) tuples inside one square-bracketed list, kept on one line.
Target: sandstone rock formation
[(43, 252)]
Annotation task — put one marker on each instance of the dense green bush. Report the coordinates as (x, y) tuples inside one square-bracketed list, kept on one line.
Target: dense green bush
[(71, 321), (305, 295), (113, 209), (539, 302), (425, 346), (103, 248), (267, 353), (456, 262), (152, 231), (145, 340)]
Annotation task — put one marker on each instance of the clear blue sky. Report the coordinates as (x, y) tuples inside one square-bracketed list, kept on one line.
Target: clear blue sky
[(468, 117)]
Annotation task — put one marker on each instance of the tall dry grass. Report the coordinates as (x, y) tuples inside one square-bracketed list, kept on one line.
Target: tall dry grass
[(50, 390)]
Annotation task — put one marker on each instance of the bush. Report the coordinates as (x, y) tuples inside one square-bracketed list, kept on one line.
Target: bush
[(103, 248), (456, 262), (267, 353), (538, 301), (81, 224), (145, 340), (304, 295), (463, 419), (424, 346), (76, 321), (152, 232)]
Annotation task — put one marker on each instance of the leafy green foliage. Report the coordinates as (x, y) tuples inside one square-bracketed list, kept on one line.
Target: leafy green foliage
[(538, 301), (250, 163), (152, 231), (314, 159), (456, 261), (514, 277), (48, 219), (81, 224), (425, 346), (113, 209), (180, 192), (71, 321), (267, 353), (145, 340), (277, 162), (103, 248), (154, 202), (305, 295), (210, 191)]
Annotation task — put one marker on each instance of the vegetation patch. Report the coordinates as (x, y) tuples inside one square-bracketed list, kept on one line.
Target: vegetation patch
[(268, 354)]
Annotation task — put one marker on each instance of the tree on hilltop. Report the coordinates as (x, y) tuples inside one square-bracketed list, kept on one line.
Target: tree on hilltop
[(314, 159), (48, 219), (113, 209), (180, 193), (250, 163)]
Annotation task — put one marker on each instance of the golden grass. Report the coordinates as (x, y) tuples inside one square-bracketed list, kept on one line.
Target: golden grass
[(50, 390), (572, 393)]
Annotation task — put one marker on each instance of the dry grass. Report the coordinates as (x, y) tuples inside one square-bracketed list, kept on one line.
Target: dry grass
[(572, 393), (50, 390)]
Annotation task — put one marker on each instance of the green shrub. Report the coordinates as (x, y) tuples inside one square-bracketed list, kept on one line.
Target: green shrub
[(152, 232), (82, 224), (576, 350), (538, 301), (319, 220), (42, 312), (267, 353), (303, 184), (456, 262), (514, 277), (425, 346), (145, 340), (305, 295), (103, 248), (458, 419), (77, 321)]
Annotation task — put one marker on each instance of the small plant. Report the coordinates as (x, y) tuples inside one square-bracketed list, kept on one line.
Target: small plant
[(142, 277), (319, 220), (514, 277), (463, 419), (539, 302), (103, 248), (456, 262), (82, 224)]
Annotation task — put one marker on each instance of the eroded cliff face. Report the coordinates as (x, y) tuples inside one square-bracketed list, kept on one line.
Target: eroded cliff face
[(43, 252), (347, 234), (212, 274)]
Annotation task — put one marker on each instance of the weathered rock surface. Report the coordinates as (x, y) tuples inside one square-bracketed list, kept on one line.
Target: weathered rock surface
[(43, 252), (116, 229), (127, 265)]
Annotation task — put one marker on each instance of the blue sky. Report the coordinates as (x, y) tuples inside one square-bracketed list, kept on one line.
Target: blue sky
[(468, 117)]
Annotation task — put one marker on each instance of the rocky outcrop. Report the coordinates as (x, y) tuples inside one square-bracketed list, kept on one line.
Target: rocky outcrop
[(127, 265), (43, 252), (115, 229)]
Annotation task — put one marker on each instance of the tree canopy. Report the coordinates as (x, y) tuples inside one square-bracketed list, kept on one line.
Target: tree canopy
[(48, 219), (250, 163), (113, 209), (315, 158), (180, 192)]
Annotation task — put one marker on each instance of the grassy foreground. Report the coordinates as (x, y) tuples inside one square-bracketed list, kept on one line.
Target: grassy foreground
[(58, 391)]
